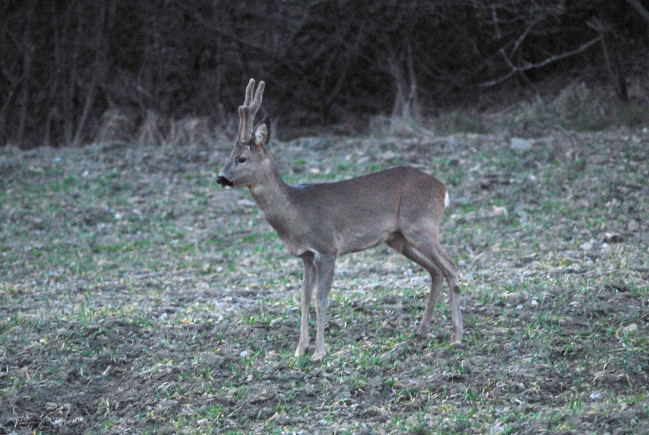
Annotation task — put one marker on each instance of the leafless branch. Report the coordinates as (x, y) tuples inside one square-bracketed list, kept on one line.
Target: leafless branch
[(528, 66), (494, 16), (526, 32), (644, 13)]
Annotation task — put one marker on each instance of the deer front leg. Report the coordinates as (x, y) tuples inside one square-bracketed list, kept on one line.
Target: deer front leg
[(308, 281), (324, 276)]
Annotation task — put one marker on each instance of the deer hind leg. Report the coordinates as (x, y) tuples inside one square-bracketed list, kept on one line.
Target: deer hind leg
[(428, 245), (454, 286), (399, 244)]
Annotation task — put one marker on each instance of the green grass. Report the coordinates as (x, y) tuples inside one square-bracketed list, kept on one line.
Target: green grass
[(172, 306)]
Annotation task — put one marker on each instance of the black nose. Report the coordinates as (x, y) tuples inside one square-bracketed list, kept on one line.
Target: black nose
[(224, 181)]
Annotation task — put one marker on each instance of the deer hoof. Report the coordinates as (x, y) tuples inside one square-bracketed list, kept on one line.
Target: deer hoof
[(455, 340), (317, 356), (423, 330), (300, 350)]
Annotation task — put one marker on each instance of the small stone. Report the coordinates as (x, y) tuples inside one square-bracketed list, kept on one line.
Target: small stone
[(587, 246), (575, 268), (633, 225), (496, 428), (520, 144), (630, 328)]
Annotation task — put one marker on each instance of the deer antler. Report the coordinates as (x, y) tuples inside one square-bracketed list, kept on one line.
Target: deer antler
[(249, 109)]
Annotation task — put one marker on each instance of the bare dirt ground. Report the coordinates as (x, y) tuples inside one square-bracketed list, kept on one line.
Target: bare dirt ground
[(137, 296)]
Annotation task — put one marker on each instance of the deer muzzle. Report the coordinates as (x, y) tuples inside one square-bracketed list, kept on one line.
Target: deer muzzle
[(224, 181)]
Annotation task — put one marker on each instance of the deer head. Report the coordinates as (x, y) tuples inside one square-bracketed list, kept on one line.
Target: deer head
[(250, 151)]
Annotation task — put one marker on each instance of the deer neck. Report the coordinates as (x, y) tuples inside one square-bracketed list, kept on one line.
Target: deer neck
[(272, 195)]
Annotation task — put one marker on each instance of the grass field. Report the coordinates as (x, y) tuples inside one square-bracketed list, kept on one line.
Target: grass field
[(138, 296)]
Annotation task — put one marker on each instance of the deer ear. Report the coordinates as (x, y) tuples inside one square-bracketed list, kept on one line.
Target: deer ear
[(262, 133)]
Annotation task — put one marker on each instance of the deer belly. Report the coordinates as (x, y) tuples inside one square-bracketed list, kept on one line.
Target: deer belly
[(360, 238)]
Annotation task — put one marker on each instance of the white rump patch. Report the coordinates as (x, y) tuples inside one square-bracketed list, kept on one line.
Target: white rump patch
[(447, 201)]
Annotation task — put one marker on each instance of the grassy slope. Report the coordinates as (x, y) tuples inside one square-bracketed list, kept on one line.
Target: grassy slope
[(134, 293)]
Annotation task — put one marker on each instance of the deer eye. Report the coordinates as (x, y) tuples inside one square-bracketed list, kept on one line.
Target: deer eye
[(241, 160)]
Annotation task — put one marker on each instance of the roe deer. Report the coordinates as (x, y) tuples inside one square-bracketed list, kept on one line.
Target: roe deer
[(319, 222)]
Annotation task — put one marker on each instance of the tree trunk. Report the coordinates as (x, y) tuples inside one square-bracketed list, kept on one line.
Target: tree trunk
[(28, 51), (406, 105), (69, 87), (100, 67), (614, 64), (3, 114), (620, 70)]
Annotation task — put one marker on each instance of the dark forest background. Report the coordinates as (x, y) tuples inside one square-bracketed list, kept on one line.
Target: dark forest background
[(71, 70)]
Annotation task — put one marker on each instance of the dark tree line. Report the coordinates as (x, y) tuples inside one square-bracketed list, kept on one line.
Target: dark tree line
[(64, 64)]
